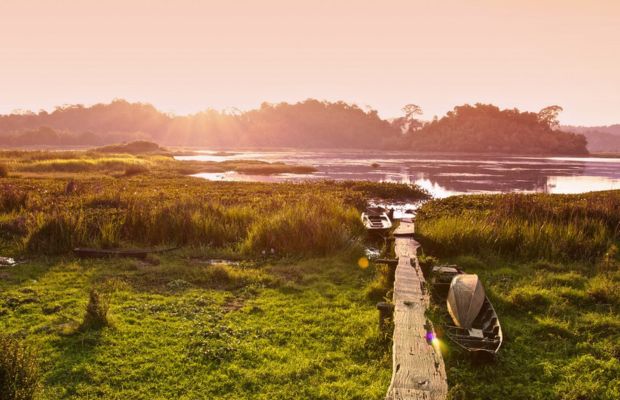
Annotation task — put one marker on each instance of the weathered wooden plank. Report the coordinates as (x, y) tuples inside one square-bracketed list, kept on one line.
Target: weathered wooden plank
[(418, 369)]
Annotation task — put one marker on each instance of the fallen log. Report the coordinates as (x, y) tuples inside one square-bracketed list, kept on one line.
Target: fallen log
[(86, 252)]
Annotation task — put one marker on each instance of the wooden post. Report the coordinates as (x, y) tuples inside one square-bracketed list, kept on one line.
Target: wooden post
[(418, 369), (386, 310)]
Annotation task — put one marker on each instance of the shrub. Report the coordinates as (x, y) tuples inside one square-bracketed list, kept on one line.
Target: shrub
[(136, 169), (136, 147), (96, 316), (19, 372), (4, 171), (57, 233), (315, 225), (12, 199)]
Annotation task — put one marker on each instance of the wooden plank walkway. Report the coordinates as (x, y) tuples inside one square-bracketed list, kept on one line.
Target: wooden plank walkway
[(418, 370)]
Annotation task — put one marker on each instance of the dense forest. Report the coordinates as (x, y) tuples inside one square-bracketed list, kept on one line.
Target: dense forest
[(307, 124), (487, 129)]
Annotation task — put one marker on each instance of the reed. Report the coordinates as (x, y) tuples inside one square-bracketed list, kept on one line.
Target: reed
[(522, 226), (244, 218), (315, 225)]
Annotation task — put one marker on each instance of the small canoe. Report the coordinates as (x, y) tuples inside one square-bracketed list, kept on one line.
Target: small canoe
[(484, 334), (376, 219)]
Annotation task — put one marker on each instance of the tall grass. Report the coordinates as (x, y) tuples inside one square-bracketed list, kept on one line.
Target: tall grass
[(162, 208), (522, 226), (19, 371), (12, 198), (186, 221), (87, 165), (315, 225), (57, 233), (303, 224)]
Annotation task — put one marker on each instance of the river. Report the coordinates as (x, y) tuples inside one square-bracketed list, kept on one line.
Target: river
[(441, 175)]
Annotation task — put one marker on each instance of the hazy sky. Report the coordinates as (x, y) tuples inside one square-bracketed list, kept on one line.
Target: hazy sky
[(184, 56)]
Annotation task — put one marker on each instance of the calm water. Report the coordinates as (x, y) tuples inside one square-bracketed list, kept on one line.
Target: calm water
[(442, 175)]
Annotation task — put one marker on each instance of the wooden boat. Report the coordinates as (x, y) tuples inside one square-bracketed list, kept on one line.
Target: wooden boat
[(376, 219), (475, 326)]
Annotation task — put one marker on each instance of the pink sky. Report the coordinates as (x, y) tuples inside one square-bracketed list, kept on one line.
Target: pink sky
[(184, 56)]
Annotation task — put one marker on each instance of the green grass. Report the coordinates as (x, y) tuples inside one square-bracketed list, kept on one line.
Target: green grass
[(555, 288), (561, 337), (128, 160), (183, 329)]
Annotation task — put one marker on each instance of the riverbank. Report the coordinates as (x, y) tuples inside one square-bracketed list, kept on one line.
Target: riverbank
[(550, 265)]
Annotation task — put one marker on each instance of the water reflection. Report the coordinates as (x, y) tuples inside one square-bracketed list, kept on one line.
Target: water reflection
[(442, 175)]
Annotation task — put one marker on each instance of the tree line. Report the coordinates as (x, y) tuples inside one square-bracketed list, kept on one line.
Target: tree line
[(307, 124)]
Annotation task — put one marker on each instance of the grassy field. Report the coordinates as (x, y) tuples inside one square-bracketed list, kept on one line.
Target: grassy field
[(289, 312), (284, 315), (186, 329), (550, 266)]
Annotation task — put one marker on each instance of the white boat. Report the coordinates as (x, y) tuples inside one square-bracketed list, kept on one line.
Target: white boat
[(376, 219)]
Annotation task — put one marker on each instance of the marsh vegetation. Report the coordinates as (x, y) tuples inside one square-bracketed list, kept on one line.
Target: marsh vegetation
[(267, 297), (264, 300), (551, 268)]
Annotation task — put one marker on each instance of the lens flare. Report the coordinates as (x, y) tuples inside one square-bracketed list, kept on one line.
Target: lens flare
[(432, 339), (363, 263)]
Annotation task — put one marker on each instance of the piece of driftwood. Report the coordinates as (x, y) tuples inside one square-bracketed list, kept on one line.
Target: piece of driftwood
[(418, 368), (85, 252)]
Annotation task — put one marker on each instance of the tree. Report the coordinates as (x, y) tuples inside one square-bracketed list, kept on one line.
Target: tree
[(549, 115), (410, 122), (411, 110)]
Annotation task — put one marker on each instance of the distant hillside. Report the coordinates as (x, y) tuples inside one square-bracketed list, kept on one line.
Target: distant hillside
[(485, 128), (601, 139), (308, 124), (610, 129)]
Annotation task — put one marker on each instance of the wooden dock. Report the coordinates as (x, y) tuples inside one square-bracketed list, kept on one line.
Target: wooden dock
[(418, 369)]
